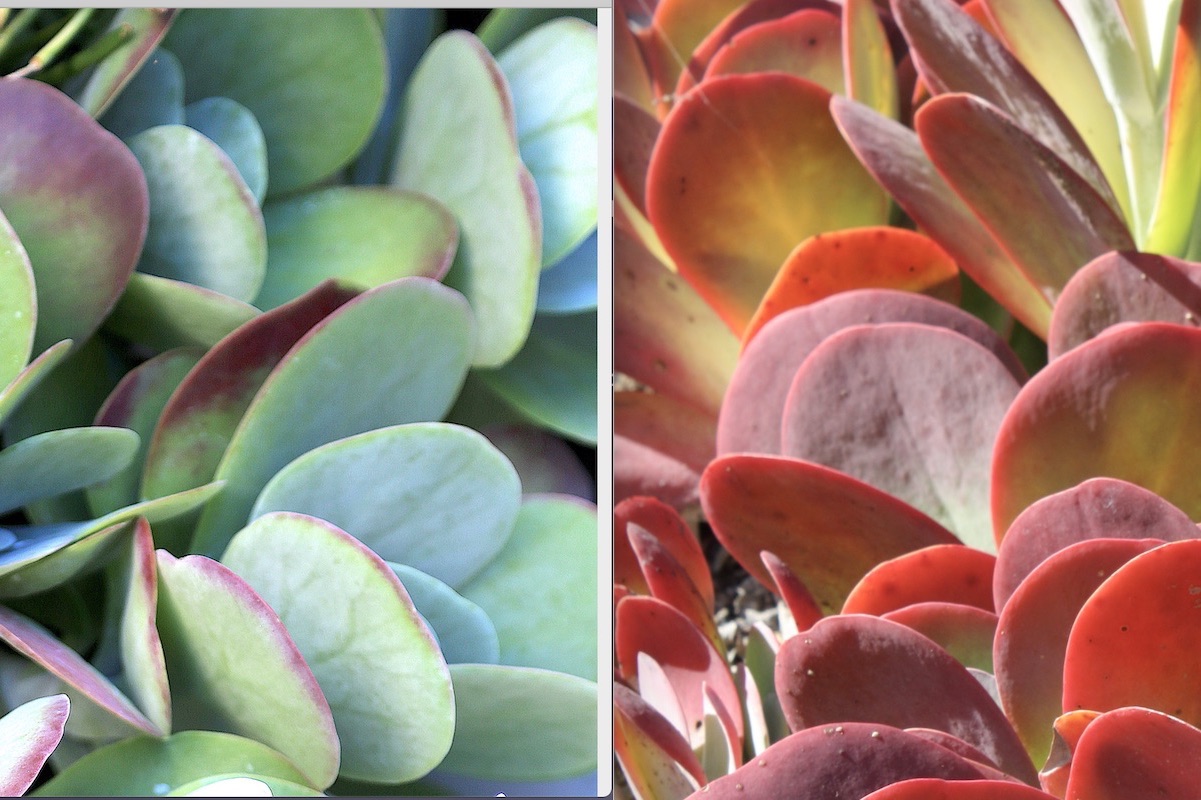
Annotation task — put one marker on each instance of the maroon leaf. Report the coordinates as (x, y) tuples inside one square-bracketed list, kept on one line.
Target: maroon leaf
[(636, 130), (949, 572), (669, 529), (660, 447), (801, 605), (965, 632), (667, 580), (935, 789), (865, 669), (1135, 752)]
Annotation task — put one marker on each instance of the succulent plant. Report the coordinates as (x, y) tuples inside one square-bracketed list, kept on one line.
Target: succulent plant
[(298, 365), (951, 433)]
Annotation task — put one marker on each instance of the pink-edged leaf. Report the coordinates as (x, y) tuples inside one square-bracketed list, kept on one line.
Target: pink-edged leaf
[(147, 27), (894, 155), (1135, 752), (1061, 223), (664, 334), (870, 75), (1124, 287), (792, 590), (1032, 633), (664, 445), (1068, 728), (1144, 427), (1136, 634), (865, 669), (949, 573), (675, 29), (912, 410), (77, 199), (145, 669), (966, 632), (754, 404), (668, 581), (857, 258), (849, 760), (721, 752), (654, 686), (730, 187), (649, 625), (657, 761), (37, 644), (634, 134), (28, 735), (935, 789), (807, 44), (669, 529), (1098, 508), (828, 527), (954, 53), (201, 416)]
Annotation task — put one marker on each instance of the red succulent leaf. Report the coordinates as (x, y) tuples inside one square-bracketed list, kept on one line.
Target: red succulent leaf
[(997, 167), (657, 761), (857, 258), (1068, 728), (1124, 287), (893, 154), (792, 590), (630, 76), (955, 53), (966, 632), (670, 582), (1136, 639), (649, 625), (845, 760), (911, 409), (866, 669), (829, 528), (667, 527), (807, 44), (660, 447), (632, 149), (947, 572), (731, 185), (957, 745), (1122, 405), (676, 28), (1098, 508), (1135, 752), (1032, 634), (935, 789), (754, 403)]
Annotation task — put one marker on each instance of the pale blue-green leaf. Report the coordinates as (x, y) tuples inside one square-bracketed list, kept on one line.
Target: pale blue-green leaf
[(162, 313), (314, 78), (44, 554), (552, 75), (459, 88), (552, 381), (235, 130), (464, 632), (233, 667), (504, 25), (205, 225), (18, 305), (154, 96), (29, 378), (55, 462), (407, 33), (28, 735), (243, 784), (435, 496), (394, 354), (145, 766), (522, 724), (569, 286), (376, 662), (365, 236), (95, 89), (540, 592)]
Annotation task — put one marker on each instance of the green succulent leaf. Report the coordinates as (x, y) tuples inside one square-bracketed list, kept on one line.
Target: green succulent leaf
[(459, 87), (376, 662), (540, 592), (142, 662), (365, 236), (77, 230), (105, 82), (233, 666), (313, 78), (437, 497), (522, 724), (205, 225), (464, 632), (503, 26), (552, 74), (570, 286), (162, 313), (56, 462), (154, 96), (243, 785), (235, 130), (330, 386), (146, 766), (28, 734), (18, 305)]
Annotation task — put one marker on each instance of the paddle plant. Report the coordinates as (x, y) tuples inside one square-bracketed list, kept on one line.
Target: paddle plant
[(911, 294), (297, 367)]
